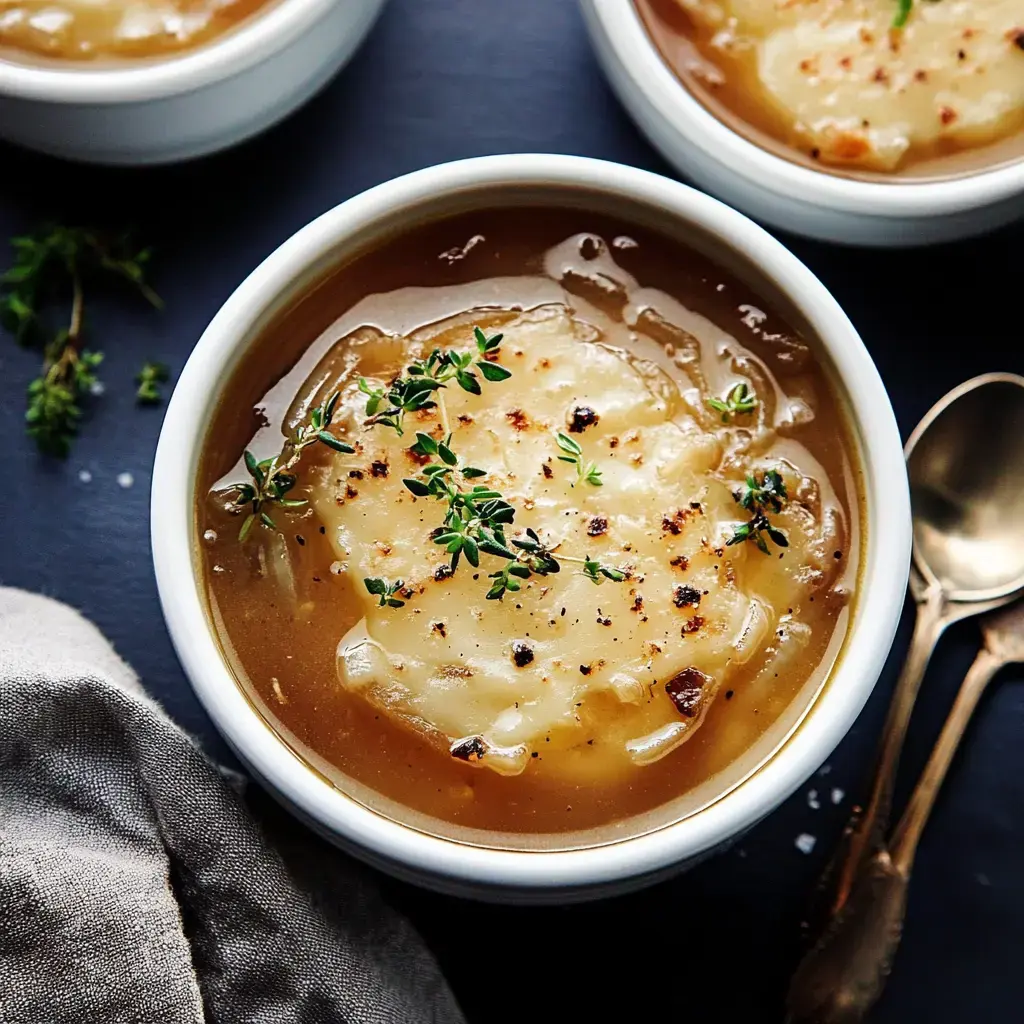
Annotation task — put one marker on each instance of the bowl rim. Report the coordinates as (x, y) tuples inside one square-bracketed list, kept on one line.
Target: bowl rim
[(624, 36), (257, 38), (886, 556)]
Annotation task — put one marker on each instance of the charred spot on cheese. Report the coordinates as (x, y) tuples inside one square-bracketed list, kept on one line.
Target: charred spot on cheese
[(440, 629), (522, 653), (443, 572), (518, 419), (686, 691), (673, 522), (470, 748), (581, 418), (685, 596), (378, 469), (597, 526), (680, 562), (692, 625)]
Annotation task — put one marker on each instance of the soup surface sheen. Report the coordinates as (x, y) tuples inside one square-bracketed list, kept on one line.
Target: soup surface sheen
[(566, 704), (92, 30), (836, 81)]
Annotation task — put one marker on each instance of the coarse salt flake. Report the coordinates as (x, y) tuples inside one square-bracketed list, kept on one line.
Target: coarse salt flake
[(805, 843), (125, 480)]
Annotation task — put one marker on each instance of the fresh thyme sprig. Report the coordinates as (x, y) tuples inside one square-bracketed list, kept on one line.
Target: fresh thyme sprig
[(476, 516), (428, 377), (273, 478), (475, 522), (759, 496), (598, 573), (737, 402), (585, 471), (149, 378), (52, 257), (386, 590)]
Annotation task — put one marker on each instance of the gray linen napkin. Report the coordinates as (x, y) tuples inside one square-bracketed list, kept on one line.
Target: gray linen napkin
[(137, 886)]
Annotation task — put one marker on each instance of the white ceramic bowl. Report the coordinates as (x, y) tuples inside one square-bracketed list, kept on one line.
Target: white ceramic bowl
[(710, 227), (207, 99), (772, 189)]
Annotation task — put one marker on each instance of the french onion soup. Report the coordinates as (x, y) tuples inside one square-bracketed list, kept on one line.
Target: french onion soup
[(84, 30), (532, 522), (906, 88)]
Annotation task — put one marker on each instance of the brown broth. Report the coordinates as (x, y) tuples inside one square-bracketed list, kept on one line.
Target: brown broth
[(267, 636), (731, 92)]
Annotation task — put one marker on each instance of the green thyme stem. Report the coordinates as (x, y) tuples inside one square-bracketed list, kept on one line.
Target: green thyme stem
[(271, 479), (54, 255)]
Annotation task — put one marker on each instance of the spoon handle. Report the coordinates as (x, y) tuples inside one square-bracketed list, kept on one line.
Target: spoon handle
[(905, 838), (819, 992), (864, 833), (841, 980)]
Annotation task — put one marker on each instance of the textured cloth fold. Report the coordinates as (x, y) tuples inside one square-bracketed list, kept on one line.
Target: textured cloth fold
[(136, 884)]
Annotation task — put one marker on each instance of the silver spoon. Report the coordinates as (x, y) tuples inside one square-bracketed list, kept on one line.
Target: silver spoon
[(964, 461)]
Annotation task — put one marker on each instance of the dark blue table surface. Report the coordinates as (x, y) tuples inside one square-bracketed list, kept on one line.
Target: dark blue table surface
[(439, 80)]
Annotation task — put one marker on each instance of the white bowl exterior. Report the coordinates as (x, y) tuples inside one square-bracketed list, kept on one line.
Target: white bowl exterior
[(502, 874), (772, 189), (187, 106)]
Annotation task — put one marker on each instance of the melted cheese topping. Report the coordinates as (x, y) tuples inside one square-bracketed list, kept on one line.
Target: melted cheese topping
[(603, 676), (862, 94), (84, 29)]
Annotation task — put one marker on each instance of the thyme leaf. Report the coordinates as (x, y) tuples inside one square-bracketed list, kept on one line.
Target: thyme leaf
[(586, 472), (385, 590), (149, 378), (737, 402)]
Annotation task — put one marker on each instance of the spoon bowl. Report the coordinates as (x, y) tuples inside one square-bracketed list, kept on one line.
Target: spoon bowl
[(965, 461)]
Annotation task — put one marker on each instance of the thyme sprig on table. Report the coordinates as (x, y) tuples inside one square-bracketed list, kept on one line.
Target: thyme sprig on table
[(47, 261), (586, 472), (739, 401), (762, 494), (272, 479)]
